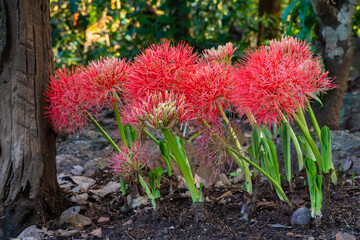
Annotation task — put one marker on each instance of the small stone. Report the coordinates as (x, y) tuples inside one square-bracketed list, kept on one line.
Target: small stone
[(344, 236), (77, 170), (68, 212), (103, 220), (358, 224), (31, 232), (219, 184), (290, 234), (301, 216), (78, 221)]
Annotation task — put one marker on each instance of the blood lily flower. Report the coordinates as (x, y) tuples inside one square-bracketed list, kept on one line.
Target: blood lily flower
[(277, 79), (222, 55), (160, 68), (106, 76), (209, 87), (159, 110), (129, 160), (70, 101)]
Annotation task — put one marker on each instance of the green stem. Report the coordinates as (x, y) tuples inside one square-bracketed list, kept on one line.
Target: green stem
[(182, 165), (275, 184), (314, 121), (157, 142), (311, 142), (119, 123), (194, 136), (103, 133), (296, 144), (244, 166)]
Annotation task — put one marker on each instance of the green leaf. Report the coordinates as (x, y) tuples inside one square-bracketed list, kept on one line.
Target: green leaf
[(152, 180), (310, 166), (130, 134), (164, 148), (146, 188), (285, 143), (288, 10), (159, 172)]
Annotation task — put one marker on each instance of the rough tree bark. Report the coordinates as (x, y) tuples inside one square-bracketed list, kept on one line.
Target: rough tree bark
[(335, 42), (29, 191)]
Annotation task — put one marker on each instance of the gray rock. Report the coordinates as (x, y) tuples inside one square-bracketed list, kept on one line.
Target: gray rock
[(77, 221), (301, 216), (68, 212), (345, 148), (77, 170), (344, 236)]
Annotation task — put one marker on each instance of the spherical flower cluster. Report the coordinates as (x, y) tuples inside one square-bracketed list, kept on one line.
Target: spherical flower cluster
[(106, 77), (129, 160), (70, 101), (277, 79), (160, 110), (222, 54), (208, 87), (160, 68)]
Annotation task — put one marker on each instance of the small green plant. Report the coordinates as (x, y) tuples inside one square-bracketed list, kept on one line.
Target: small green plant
[(152, 191)]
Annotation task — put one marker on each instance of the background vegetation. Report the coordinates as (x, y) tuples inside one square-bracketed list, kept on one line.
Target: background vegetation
[(83, 30)]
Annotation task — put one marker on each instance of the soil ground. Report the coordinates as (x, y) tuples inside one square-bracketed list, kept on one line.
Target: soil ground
[(228, 214)]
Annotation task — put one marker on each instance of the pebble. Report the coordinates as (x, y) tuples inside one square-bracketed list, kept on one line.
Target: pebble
[(77, 170), (344, 236), (68, 212), (301, 216)]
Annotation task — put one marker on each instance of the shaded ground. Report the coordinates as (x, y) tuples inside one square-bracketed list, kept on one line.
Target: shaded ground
[(227, 216)]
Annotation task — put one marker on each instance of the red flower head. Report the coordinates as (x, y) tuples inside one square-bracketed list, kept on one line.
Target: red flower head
[(209, 86), (277, 79), (106, 78), (70, 100), (128, 160), (222, 54), (160, 110), (160, 68)]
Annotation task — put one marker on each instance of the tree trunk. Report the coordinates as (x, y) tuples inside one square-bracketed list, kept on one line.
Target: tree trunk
[(29, 192), (335, 42)]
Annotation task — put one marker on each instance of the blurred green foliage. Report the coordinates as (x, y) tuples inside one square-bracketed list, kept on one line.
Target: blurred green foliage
[(87, 29), (83, 30)]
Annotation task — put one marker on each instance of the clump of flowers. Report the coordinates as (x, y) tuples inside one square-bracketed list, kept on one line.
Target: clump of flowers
[(71, 100), (160, 67), (277, 79), (129, 160)]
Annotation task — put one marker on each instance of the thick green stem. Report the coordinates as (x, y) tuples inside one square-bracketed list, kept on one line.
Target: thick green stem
[(119, 123), (314, 121), (157, 142), (103, 133), (185, 170), (311, 142), (243, 165), (275, 184), (296, 144)]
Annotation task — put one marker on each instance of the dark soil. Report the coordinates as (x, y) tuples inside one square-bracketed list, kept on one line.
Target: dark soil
[(228, 214)]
